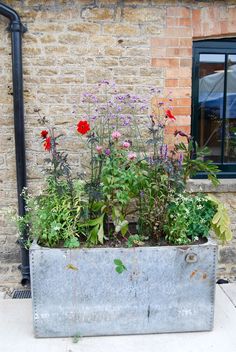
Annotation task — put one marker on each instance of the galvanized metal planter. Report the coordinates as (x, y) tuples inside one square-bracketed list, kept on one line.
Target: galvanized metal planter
[(164, 289)]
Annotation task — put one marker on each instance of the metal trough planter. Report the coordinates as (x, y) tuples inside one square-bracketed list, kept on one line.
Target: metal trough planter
[(164, 289)]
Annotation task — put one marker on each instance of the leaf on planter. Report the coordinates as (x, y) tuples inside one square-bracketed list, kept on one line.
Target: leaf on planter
[(118, 262), (120, 267), (71, 267)]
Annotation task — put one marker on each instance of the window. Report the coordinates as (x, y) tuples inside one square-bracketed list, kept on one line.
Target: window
[(214, 101)]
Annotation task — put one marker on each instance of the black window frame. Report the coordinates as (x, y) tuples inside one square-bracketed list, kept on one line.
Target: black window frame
[(225, 46)]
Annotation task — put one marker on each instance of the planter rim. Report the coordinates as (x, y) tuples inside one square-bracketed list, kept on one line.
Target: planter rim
[(210, 241)]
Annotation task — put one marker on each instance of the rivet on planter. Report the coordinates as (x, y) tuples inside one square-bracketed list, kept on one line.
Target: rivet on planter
[(191, 258)]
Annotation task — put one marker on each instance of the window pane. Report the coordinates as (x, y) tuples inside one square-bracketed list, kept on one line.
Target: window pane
[(230, 122), (211, 94)]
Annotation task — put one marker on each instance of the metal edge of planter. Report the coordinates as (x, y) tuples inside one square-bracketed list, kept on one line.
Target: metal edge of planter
[(68, 290)]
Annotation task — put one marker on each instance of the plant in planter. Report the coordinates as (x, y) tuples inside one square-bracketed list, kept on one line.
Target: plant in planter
[(93, 271)]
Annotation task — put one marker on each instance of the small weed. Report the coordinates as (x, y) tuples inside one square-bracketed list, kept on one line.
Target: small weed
[(76, 338), (120, 267)]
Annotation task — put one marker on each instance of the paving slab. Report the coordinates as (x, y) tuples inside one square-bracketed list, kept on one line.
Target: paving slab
[(16, 333), (230, 291)]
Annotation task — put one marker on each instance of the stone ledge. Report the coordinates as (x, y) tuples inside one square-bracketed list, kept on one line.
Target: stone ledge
[(199, 185)]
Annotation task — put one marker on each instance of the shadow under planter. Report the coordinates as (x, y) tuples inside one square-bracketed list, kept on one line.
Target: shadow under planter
[(161, 289)]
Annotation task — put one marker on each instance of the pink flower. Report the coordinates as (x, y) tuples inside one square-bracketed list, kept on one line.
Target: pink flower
[(126, 144), (99, 149), (116, 135), (132, 156)]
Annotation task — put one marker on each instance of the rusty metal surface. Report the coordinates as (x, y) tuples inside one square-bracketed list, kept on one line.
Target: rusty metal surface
[(164, 289)]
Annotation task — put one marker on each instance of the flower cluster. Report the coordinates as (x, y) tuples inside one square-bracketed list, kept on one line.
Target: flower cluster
[(46, 140), (132, 171)]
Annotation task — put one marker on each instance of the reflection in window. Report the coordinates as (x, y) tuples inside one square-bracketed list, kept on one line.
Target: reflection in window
[(210, 99), (230, 116), (216, 122), (214, 101)]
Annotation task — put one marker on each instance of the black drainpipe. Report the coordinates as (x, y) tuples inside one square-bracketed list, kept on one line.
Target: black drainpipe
[(16, 29)]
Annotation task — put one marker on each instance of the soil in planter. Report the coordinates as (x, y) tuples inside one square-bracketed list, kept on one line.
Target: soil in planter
[(119, 241)]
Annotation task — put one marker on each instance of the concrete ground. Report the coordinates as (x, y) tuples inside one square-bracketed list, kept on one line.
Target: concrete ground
[(16, 332)]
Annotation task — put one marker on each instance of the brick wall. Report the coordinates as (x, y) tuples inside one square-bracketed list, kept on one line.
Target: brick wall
[(69, 46)]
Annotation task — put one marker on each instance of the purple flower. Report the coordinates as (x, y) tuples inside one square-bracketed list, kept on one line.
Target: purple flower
[(126, 122), (108, 152), (182, 134), (180, 161), (165, 151)]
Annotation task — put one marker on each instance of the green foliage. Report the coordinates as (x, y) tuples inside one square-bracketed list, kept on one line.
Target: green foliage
[(195, 161), (95, 230), (160, 184), (120, 267), (125, 178), (77, 338), (189, 218), (136, 240), (119, 179), (54, 216), (221, 221), (72, 242)]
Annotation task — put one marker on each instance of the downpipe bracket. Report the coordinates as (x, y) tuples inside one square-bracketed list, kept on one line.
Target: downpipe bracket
[(17, 27)]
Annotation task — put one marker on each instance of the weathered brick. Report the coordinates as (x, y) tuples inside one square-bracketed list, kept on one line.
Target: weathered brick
[(171, 83), (173, 62), (56, 50), (98, 14), (141, 15), (84, 27), (121, 29), (29, 51)]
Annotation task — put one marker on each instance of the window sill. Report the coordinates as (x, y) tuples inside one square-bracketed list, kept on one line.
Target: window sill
[(205, 186)]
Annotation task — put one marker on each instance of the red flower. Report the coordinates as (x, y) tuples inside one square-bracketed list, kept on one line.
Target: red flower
[(47, 144), (170, 115), (44, 134), (83, 127)]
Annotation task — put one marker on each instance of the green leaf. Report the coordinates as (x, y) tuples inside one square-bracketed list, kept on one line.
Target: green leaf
[(93, 236), (71, 267), (101, 234), (119, 269), (118, 262), (124, 228), (92, 222), (221, 221)]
